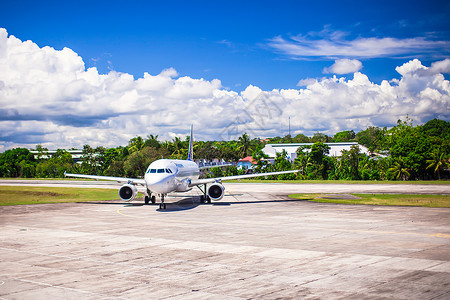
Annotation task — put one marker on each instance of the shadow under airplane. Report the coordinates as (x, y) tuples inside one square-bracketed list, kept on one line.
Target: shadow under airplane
[(192, 202)]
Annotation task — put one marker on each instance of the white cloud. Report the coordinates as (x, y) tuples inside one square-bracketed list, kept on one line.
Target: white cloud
[(251, 92), (48, 97), (334, 44), (442, 66), (306, 82), (344, 66), (411, 67)]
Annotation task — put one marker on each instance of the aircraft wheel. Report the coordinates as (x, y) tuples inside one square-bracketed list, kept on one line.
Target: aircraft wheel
[(153, 199), (205, 200), (146, 199)]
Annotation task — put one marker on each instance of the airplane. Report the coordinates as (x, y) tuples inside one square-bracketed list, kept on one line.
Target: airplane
[(165, 176)]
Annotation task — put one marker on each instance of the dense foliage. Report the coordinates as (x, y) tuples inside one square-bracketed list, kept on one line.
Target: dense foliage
[(404, 152)]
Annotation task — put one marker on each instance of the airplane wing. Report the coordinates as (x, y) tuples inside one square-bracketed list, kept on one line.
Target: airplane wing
[(212, 180), (110, 178), (216, 166)]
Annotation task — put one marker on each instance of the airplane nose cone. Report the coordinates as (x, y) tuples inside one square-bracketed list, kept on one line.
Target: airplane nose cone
[(159, 184)]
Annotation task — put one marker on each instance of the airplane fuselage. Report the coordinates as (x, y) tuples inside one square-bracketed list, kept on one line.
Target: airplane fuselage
[(171, 175)]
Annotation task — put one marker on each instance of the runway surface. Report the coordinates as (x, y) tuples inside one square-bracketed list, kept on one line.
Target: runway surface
[(256, 243)]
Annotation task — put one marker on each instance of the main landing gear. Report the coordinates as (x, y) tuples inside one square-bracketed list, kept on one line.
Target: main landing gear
[(204, 198), (149, 198)]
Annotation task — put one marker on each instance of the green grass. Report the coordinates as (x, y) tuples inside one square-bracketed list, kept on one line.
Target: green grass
[(380, 199), (12, 195)]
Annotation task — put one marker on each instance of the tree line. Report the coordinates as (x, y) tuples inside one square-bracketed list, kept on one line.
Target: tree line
[(404, 152)]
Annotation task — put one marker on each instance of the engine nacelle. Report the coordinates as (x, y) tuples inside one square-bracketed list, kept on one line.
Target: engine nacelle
[(216, 191), (128, 192)]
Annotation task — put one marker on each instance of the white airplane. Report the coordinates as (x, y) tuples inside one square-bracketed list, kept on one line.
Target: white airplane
[(165, 176)]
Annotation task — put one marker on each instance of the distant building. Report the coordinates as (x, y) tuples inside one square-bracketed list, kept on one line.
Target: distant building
[(216, 162), (335, 149), (76, 154), (247, 163)]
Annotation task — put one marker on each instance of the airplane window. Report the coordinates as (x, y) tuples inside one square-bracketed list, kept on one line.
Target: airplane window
[(160, 170), (152, 170), (168, 171)]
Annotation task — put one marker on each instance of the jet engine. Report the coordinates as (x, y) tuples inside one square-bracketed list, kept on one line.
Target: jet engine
[(128, 192), (216, 191)]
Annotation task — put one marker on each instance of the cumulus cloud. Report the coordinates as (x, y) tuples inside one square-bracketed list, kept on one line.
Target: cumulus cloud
[(344, 66), (335, 44), (66, 103), (48, 97), (442, 66)]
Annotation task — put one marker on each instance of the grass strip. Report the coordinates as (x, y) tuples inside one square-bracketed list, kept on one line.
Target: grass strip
[(13, 195), (379, 199), (427, 182)]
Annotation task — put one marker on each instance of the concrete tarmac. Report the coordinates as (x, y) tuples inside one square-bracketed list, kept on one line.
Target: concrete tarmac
[(254, 244)]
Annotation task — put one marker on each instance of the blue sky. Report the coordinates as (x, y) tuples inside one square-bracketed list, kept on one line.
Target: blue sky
[(73, 72), (228, 40)]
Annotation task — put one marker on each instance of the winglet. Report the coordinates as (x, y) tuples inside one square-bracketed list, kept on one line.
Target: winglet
[(191, 140)]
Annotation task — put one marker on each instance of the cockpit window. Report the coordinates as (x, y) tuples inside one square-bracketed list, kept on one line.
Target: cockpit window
[(160, 171)]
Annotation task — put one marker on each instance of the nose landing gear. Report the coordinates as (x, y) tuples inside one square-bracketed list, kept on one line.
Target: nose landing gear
[(162, 205)]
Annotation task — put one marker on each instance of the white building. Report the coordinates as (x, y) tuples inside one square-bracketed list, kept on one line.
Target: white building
[(335, 149), (76, 154)]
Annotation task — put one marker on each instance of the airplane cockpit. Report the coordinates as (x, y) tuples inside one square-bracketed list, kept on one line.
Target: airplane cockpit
[(166, 170)]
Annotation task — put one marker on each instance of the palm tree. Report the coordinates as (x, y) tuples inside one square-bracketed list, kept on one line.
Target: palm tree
[(135, 144), (180, 149), (152, 141), (399, 170), (244, 147), (438, 162), (301, 161)]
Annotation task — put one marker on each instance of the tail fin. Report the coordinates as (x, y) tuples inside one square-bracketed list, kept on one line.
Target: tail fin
[(191, 144)]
